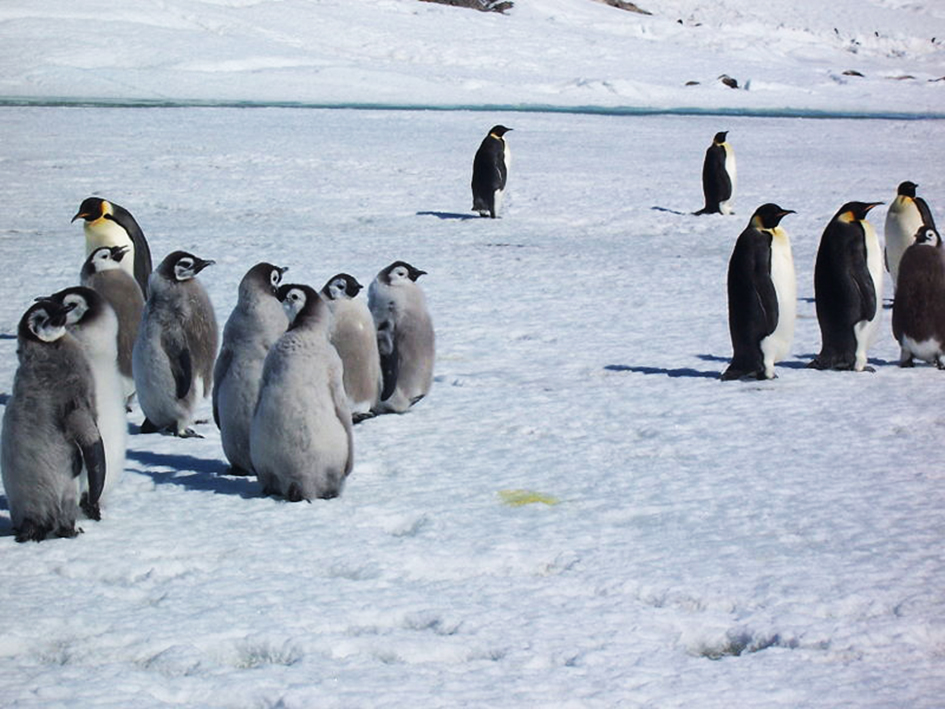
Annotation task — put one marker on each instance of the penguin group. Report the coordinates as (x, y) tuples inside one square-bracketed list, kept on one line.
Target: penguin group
[(848, 284), (297, 368)]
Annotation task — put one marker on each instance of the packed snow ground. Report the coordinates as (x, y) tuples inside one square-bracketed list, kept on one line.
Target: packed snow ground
[(760, 544), (558, 53), (763, 544)]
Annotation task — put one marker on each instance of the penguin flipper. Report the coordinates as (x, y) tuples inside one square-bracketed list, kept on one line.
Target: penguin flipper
[(390, 364), (926, 213), (142, 264), (219, 374), (863, 283), (80, 427), (178, 355)]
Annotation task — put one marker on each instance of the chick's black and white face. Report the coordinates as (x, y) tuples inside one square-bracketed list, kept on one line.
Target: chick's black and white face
[(77, 306), (338, 289), (185, 268), (275, 278), (45, 327), (106, 258), (293, 302), (399, 274), (928, 237)]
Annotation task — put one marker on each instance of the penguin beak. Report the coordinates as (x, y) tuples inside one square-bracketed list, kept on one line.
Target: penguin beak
[(870, 205), (119, 253), (80, 215), (200, 264), (785, 212)]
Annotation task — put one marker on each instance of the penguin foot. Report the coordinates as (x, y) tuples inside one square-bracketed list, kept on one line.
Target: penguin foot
[(69, 531), (233, 470), (415, 399), (93, 512), (30, 531), (148, 427), (358, 418), (188, 433), (294, 493)]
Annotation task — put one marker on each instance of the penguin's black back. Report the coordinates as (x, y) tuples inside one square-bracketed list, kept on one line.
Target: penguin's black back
[(716, 182), (752, 302), (142, 265), (489, 172)]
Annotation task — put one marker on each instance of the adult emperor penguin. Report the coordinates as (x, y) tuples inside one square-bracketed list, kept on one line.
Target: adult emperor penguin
[(174, 354), (355, 337), (257, 321), (405, 337), (762, 296), (905, 216), (93, 323), (102, 272), (301, 440), (918, 316), (848, 288), (719, 176), (109, 224), (490, 172), (49, 429)]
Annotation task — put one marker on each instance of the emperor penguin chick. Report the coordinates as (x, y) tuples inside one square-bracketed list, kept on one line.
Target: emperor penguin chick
[(92, 322), (918, 316), (905, 216), (491, 172), (354, 336), (174, 354), (762, 296), (405, 337), (49, 430), (301, 440), (848, 288), (110, 224), (257, 321), (102, 272), (719, 176)]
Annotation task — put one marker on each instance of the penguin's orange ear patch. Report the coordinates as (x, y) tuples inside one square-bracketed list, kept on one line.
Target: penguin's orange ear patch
[(520, 498)]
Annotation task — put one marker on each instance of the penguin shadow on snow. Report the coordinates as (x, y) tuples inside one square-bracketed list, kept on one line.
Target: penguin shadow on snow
[(448, 215), (673, 373), (211, 474)]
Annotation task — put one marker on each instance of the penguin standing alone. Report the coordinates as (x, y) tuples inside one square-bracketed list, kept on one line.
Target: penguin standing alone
[(405, 337), (109, 224), (49, 429), (905, 216), (848, 288), (301, 440), (174, 355), (92, 322), (354, 336), (762, 296), (491, 172), (918, 316), (102, 272), (719, 177), (257, 321)]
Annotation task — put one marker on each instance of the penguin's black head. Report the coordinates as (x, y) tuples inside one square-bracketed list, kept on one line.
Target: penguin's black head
[(400, 271), (855, 211), (768, 216), (720, 137), (44, 321), (341, 286), (92, 208), (301, 303), (907, 189), (264, 276), (78, 302), (182, 266), (498, 131), (928, 236)]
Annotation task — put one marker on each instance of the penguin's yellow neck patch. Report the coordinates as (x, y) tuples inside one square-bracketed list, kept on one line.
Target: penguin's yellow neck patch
[(847, 217), (497, 137)]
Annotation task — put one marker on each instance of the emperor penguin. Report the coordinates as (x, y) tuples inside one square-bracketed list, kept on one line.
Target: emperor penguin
[(174, 354), (719, 176), (918, 316), (110, 224), (405, 338), (93, 323), (257, 321), (301, 440), (102, 272), (491, 172), (905, 216), (355, 337), (762, 296), (848, 288), (49, 430)]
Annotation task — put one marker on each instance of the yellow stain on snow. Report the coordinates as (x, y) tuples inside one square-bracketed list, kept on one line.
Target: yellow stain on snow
[(518, 498)]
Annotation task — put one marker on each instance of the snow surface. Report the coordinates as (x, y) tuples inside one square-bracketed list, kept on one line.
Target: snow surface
[(771, 544)]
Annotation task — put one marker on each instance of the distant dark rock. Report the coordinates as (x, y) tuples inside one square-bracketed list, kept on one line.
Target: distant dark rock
[(852, 72), (728, 81), (692, 83), (481, 5), (623, 5)]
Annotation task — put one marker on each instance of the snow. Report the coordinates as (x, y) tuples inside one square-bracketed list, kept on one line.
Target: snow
[(691, 543)]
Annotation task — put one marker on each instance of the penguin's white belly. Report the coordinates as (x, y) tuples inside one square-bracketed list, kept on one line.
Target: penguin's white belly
[(928, 350), (105, 232), (728, 206), (777, 345), (902, 223), (111, 418), (865, 331)]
